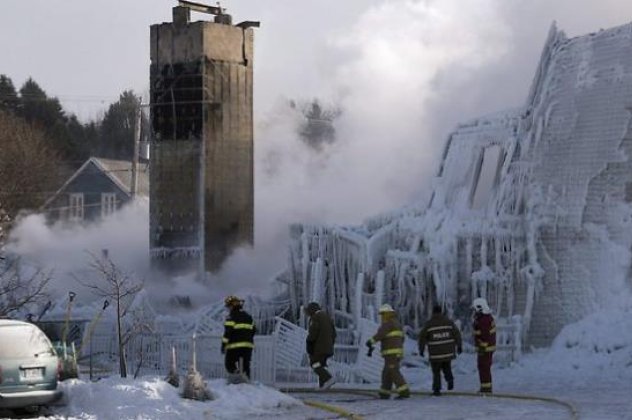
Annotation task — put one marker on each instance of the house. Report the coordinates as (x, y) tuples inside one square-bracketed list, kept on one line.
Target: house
[(97, 189)]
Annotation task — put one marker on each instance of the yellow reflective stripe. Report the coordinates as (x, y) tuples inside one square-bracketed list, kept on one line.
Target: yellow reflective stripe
[(490, 348), (396, 333), (486, 385), (492, 331), (402, 388), (224, 340), (477, 332), (389, 352), (243, 326), (384, 392), (229, 323), (239, 345), (372, 340), (441, 356)]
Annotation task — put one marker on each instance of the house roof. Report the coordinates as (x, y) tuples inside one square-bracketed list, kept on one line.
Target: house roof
[(119, 171)]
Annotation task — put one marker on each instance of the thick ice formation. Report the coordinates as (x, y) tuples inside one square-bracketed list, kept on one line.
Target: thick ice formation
[(530, 208)]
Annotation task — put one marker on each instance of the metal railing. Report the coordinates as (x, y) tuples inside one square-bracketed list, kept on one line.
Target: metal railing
[(278, 358)]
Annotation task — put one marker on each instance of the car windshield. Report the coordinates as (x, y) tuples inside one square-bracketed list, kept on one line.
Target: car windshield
[(22, 341)]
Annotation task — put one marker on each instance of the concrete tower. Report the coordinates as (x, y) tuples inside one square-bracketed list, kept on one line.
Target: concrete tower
[(201, 173)]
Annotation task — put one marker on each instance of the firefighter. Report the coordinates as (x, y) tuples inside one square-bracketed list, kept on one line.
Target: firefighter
[(485, 341), (391, 337), (238, 340), (443, 339), (320, 343)]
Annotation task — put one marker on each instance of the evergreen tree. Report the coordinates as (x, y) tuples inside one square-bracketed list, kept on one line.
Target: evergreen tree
[(9, 100), (116, 139)]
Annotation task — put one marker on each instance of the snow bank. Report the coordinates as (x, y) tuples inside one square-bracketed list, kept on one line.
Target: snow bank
[(596, 349), (152, 398), (599, 341)]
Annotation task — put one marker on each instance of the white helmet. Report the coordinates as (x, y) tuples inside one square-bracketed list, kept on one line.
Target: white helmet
[(386, 308), (480, 305)]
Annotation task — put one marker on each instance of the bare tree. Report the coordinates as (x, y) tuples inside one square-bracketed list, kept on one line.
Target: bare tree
[(5, 223), (137, 324), (19, 291), (29, 165), (119, 287)]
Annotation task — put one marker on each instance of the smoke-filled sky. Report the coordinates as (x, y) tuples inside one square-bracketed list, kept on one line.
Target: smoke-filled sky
[(404, 72)]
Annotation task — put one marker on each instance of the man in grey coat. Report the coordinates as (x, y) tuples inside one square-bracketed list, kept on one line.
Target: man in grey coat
[(320, 343)]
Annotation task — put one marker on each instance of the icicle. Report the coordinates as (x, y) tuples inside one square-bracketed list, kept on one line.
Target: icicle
[(305, 263), (357, 310), (468, 265), (317, 281), (379, 288)]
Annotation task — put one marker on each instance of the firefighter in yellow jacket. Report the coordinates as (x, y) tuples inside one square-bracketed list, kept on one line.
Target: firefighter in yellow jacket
[(391, 338)]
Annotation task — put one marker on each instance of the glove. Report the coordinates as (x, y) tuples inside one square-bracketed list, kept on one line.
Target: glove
[(459, 350), (310, 347), (369, 344)]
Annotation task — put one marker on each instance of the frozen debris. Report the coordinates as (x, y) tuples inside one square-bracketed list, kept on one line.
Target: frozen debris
[(173, 378), (194, 387)]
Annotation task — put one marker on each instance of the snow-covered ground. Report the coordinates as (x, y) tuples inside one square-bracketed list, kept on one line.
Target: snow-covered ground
[(589, 365)]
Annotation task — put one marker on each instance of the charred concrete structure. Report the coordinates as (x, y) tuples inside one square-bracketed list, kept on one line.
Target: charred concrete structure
[(201, 177)]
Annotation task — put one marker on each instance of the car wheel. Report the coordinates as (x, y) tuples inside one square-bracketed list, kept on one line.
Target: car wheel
[(27, 411)]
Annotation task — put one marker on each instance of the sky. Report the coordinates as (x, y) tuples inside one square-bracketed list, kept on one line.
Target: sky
[(404, 73)]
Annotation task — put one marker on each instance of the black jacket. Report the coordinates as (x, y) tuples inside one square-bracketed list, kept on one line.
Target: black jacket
[(239, 330)]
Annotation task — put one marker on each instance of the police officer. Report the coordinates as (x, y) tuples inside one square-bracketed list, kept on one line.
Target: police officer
[(443, 339), (391, 337), (238, 340)]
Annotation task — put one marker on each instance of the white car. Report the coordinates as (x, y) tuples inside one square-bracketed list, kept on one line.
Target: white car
[(29, 366)]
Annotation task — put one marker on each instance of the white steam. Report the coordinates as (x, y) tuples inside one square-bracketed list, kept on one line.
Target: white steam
[(68, 251), (390, 71)]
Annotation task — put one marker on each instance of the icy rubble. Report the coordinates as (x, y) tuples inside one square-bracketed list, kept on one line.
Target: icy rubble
[(515, 213)]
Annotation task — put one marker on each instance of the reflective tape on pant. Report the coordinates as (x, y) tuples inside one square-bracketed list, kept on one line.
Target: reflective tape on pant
[(393, 352), (240, 345), (243, 326), (316, 365), (402, 388)]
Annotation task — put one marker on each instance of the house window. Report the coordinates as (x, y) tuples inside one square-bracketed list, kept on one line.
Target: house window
[(108, 204), (75, 208)]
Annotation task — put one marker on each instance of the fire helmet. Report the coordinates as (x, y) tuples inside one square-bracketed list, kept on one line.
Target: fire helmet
[(386, 308), (480, 305), (233, 301)]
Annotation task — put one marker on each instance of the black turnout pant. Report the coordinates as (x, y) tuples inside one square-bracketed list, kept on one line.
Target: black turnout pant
[(437, 367), (238, 357), (318, 362)]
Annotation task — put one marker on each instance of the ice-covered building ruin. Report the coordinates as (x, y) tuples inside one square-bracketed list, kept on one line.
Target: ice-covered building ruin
[(530, 208)]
